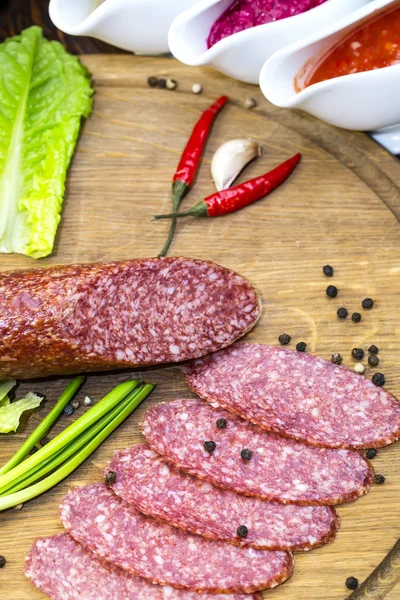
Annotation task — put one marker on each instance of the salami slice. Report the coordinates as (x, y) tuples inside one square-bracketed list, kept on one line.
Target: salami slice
[(117, 315), (271, 467), (63, 570), (158, 489), (117, 532), (297, 395)]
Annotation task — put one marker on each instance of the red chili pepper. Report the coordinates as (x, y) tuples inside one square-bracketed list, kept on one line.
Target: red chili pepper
[(188, 165), (235, 198), (190, 159)]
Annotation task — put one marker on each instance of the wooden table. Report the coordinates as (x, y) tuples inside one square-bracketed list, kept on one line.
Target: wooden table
[(341, 206), (16, 15)]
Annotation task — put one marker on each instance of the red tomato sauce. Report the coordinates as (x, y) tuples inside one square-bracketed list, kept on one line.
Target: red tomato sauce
[(374, 45)]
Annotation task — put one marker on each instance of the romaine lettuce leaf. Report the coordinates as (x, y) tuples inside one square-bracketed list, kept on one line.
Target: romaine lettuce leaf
[(10, 412), (44, 92)]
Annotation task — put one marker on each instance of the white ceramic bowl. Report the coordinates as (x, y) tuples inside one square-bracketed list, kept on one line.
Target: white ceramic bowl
[(140, 26), (367, 101), (243, 54)]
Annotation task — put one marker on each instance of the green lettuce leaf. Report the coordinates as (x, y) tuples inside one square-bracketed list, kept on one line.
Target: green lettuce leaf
[(10, 412), (44, 92)]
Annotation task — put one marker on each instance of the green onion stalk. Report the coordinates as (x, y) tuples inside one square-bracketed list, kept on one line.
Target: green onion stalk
[(71, 432), (49, 464), (69, 452), (44, 426)]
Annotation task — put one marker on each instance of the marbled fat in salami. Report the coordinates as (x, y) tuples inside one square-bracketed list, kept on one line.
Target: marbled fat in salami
[(297, 395), (158, 489), (114, 530), (280, 469), (63, 570), (116, 315)]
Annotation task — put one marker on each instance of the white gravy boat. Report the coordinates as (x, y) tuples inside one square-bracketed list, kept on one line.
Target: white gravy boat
[(140, 26), (367, 101), (242, 54)]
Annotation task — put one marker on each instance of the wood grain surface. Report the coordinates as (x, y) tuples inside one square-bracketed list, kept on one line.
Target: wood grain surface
[(341, 206), (383, 579)]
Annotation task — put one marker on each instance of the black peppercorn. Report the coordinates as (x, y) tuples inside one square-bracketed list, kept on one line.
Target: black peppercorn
[(301, 347), (356, 317), (367, 303), (336, 358), (162, 83), (331, 291), (221, 423), (328, 270), (379, 479), (210, 446), (68, 410), (357, 353), (373, 360), (342, 313), (152, 81), (373, 349), (44, 441), (111, 477), (242, 531), (378, 379), (371, 453), (2, 561), (246, 454), (351, 583), (284, 339)]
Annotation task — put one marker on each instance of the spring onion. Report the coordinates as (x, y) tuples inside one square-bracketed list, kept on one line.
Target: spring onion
[(77, 459), (71, 432), (52, 462), (44, 426)]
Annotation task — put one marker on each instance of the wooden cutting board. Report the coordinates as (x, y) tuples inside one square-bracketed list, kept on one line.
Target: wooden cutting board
[(339, 207)]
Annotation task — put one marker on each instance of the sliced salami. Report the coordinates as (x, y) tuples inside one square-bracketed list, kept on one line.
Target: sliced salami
[(117, 532), (63, 570), (158, 489), (297, 395), (118, 315), (245, 459)]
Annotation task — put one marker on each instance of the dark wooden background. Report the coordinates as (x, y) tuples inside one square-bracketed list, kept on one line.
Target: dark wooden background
[(16, 15)]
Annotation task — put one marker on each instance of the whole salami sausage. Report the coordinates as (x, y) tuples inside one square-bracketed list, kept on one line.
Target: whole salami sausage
[(297, 395), (117, 532), (243, 458), (63, 570), (105, 316), (158, 489)]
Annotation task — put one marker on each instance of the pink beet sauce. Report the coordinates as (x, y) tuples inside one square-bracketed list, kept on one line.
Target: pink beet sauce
[(243, 14)]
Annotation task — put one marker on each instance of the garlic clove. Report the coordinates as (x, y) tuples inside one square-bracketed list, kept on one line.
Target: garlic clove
[(230, 159)]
